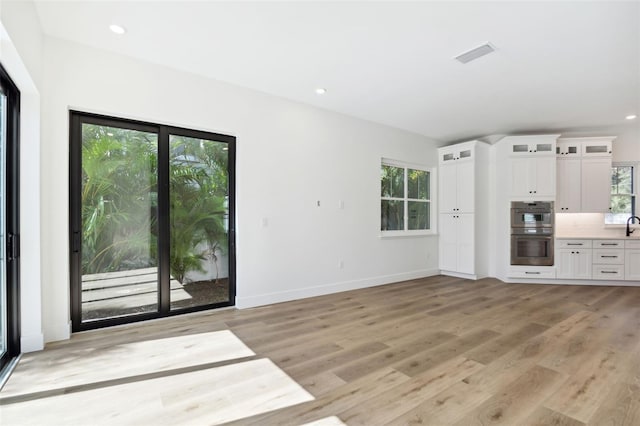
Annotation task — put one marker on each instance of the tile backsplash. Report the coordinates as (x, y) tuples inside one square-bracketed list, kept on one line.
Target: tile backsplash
[(585, 225)]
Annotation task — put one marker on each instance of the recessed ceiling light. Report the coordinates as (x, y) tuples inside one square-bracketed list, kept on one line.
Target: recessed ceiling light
[(117, 29), (321, 91), (631, 117)]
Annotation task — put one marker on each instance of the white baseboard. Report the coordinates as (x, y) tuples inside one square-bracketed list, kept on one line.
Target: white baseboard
[(460, 275), (61, 331), (32, 343), (303, 293)]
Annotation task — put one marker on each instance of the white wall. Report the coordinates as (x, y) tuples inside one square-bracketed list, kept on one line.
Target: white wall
[(21, 56), (289, 156)]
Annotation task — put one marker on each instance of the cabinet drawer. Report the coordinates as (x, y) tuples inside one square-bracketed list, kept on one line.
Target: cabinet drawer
[(572, 244), (548, 273), (632, 244), (612, 244), (608, 256), (608, 272)]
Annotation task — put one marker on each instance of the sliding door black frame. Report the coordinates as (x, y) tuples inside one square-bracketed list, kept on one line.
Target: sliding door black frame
[(76, 119), (12, 206)]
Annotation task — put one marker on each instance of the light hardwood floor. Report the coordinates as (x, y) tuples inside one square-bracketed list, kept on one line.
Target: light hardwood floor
[(435, 351)]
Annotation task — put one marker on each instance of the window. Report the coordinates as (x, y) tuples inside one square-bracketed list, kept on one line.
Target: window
[(405, 202), (623, 197)]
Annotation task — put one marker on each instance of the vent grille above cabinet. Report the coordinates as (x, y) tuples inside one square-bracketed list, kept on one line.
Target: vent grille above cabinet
[(476, 53)]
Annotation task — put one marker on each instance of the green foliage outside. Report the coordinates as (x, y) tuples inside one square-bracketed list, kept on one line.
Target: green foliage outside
[(119, 201)]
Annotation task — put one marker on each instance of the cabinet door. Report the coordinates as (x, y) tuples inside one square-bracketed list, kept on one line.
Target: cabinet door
[(466, 247), (564, 263), (632, 264), (448, 188), (596, 185), (597, 148), (465, 187), (545, 176), (568, 149), (448, 242), (582, 262), (520, 177), (568, 194), (573, 264)]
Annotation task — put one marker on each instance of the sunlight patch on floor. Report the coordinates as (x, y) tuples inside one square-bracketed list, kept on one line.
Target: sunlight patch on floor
[(86, 366), (209, 396)]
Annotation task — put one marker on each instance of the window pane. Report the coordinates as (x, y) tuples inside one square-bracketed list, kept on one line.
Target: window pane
[(392, 179), (418, 184), (119, 222), (199, 215), (622, 180), (621, 209), (392, 215), (418, 215)]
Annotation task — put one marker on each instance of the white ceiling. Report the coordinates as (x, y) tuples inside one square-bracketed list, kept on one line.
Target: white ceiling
[(558, 65)]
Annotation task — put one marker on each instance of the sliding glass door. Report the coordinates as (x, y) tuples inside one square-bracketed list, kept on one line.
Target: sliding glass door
[(151, 220), (9, 247)]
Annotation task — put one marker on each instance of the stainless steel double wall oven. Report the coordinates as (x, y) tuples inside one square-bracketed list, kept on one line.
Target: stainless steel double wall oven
[(532, 229)]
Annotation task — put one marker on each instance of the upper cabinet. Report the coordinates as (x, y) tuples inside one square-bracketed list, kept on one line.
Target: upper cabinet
[(528, 147), (532, 166), (597, 147), (457, 182), (463, 152), (566, 148), (584, 175)]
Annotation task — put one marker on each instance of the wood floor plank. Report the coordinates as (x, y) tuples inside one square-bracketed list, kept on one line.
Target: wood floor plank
[(543, 416), (585, 390), (396, 401), (445, 408), (620, 407), (516, 401)]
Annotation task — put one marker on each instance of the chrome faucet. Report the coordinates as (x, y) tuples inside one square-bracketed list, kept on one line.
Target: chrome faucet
[(629, 230)]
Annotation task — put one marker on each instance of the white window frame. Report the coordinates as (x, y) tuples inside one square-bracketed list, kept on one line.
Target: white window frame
[(636, 181), (432, 200)]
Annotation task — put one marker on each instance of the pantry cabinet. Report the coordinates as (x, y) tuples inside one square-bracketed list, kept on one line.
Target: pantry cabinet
[(463, 178)]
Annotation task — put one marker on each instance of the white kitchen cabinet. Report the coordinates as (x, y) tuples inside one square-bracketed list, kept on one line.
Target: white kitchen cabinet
[(632, 260), (457, 243), (463, 184), (532, 167), (526, 146), (456, 153), (583, 175), (597, 147), (568, 149), (632, 264), (533, 178), (568, 184), (457, 188), (596, 185), (573, 263), (608, 260)]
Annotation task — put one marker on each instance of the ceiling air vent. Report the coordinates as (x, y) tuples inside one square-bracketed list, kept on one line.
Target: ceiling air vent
[(476, 53)]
